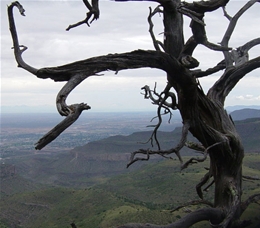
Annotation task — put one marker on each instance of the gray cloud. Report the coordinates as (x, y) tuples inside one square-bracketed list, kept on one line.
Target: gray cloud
[(122, 27)]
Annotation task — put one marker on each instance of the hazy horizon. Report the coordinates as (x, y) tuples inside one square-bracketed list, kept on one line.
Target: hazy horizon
[(52, 109)]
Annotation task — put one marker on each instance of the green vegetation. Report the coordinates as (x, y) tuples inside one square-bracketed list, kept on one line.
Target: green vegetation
[(146, 195), (91, 186)]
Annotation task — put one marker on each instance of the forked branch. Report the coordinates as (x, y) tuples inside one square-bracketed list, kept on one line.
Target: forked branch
[(231, 28), (196, 11), (93, 11)]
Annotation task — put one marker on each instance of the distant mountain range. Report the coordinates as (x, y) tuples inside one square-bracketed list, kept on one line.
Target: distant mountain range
[(52, 109), (240, 107), (108, 157), (245, 114)]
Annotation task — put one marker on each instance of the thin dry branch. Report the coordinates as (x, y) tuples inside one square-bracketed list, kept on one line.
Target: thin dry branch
[(162, 103), (220, 66), (157, 44), (220, 90), (226, 13), (209, 185), (214, 215), (231, 28), (18, 49), (252, 199), (196, 11), (93, 11), (160, 99), (205, 6), (203, 181), (195, 160), (176, 150), (192, 203), (250, 44), (250, 177)]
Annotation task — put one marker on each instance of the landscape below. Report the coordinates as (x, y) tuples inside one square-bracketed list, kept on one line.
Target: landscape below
[(90, 186)]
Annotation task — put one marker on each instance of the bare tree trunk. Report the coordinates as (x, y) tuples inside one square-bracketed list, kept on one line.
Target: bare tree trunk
[(210, 124)]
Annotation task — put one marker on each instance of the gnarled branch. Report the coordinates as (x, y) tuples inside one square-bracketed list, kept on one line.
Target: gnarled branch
[(196, 11), (75, 111)]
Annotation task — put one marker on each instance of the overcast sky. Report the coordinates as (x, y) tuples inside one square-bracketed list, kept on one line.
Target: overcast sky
[(122, 27)]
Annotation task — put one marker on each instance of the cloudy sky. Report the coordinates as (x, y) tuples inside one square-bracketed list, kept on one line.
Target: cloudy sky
[(122, 27)]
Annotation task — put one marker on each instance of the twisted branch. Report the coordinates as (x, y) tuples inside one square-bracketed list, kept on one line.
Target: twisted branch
[(162, 103), (196, 11)]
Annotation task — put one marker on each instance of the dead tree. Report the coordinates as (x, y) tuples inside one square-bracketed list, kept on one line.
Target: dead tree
[(203, 115)]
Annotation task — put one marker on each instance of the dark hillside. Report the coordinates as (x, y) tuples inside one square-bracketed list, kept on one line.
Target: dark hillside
[(98, 160), (249, 131), (143, 195), (126, 144), (246, 113)]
